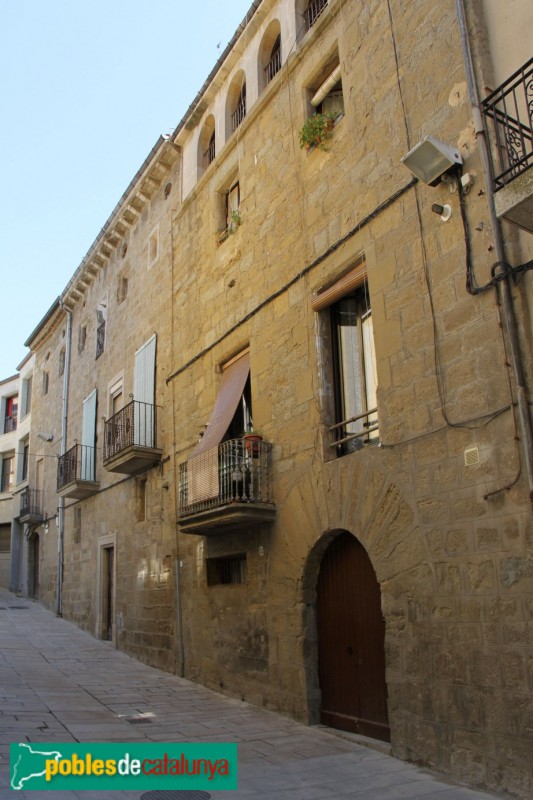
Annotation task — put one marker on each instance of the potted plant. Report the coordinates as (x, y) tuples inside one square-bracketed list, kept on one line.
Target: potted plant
[(317, 130), (252, 443)]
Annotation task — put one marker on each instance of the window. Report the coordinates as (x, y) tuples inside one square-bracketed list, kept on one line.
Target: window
[(45, 382), (8, 474), (353, 360), (209, 154), (226, 570), (116, 398), (25, 458), (5, 538), (27, 384), (61, 362), (239, 111), (233, 200), (313, 11), (328, 98), (122, 289), (101, 319), (269, 56), (10, 419), (82, 336)]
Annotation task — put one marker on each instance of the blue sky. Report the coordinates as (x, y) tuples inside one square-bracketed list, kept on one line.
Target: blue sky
[(87, 86)]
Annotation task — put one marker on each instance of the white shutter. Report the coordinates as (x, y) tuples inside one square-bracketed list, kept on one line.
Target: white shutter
[(2, 414), (144, 394), (88, 437)]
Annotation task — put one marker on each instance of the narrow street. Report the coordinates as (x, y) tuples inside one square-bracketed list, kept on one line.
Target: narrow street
[(58, 684)]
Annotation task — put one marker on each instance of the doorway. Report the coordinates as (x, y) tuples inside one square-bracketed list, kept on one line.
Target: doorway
[(34, 566), (108, 593), (351, 641)]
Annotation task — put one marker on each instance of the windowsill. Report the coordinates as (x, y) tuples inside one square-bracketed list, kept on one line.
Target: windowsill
[(227, 233)]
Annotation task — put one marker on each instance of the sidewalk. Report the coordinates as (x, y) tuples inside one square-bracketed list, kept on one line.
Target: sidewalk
[(58, 684)]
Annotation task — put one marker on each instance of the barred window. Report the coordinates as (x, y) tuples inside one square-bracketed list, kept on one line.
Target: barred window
[(226, 570)]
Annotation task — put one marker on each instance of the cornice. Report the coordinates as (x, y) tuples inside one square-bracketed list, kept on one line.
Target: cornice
[(124, 217)]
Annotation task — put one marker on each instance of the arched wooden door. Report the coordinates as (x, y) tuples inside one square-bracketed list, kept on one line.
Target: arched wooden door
[(351, 641)]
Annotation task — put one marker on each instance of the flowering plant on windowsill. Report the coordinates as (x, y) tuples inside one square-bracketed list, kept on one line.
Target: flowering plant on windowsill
[(318, 129), (235, 222)]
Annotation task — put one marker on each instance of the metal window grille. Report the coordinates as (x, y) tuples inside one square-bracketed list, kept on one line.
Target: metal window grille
[(274, 65), (240, 111), (313, 11), (210, 153), (226, 570)]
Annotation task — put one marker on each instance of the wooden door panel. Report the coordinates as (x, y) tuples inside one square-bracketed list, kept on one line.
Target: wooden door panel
[(351, 636)]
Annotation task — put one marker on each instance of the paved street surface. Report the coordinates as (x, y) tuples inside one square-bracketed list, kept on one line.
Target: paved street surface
[(58, 684)]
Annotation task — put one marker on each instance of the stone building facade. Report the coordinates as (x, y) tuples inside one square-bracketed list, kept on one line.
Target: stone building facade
[(366, 560)]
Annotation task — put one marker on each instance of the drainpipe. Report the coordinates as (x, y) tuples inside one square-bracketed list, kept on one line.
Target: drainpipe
[(524, 418), (61, 505)]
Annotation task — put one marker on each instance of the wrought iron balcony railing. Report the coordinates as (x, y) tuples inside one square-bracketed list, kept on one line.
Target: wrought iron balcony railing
[(273, 66), (77, 464), (135, 424), (510, 111), (209, 154), (10, 424), (236, 472), (354, 433), (313, 11), (239, 113), (31, 503)]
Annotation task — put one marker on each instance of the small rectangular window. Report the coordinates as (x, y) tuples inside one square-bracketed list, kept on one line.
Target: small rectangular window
[(5, 538), (45, 382), (25, 405), (8, 474), (61, 362), (82, 336), (25, 458), (226, 570)]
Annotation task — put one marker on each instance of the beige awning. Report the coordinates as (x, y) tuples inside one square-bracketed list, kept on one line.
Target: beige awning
[(203, 462), (355, 278), (232, 386)]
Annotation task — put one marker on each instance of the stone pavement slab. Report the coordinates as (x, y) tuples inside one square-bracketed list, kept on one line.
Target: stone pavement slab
[(58, 684)]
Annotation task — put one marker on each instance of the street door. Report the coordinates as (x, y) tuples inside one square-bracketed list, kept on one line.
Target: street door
[(351, 641), (35, 563)]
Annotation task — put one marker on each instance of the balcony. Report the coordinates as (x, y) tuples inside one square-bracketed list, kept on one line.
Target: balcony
[(31, 506), (130, 439), (75, 473), (10, 424), (226, 488), (509, 116)]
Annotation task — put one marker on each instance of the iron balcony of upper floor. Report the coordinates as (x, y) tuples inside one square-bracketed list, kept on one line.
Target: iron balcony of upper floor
[(31, 506), (227, 488), (76, 473), (130, 439), (509, 116)]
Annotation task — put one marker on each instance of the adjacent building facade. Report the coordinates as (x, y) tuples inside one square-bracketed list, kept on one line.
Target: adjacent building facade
[(287, 390)]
